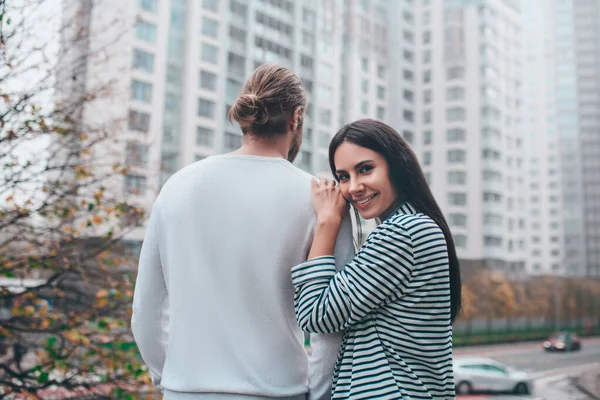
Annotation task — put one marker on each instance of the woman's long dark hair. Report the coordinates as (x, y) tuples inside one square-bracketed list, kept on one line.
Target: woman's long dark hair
[(408, 180)]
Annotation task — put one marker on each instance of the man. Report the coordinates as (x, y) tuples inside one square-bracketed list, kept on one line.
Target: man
[(222, 238)]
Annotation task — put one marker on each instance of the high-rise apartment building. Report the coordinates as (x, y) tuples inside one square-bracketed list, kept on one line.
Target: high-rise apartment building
[(586, 22), (177, 67), (563, 133), (469, 125), (497, 98)]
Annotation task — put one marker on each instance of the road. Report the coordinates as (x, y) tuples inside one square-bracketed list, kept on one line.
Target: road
[(551, 370)]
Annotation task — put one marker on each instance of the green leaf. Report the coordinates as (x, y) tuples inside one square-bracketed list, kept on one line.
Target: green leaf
[(90, 206), (43, 378), (50, 342)]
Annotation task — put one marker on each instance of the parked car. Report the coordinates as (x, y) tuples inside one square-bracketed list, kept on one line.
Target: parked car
[(479, 374), (563, 341)]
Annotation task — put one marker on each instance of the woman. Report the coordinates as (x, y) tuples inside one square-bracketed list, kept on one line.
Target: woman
[(398, 297)]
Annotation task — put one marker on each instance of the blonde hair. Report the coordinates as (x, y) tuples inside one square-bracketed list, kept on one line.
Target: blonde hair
[(268, 100)]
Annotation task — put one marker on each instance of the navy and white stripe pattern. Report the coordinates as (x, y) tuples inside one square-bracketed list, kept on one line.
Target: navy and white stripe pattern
[(393, 300)]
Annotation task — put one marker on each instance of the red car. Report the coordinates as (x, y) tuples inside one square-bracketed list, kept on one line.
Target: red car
[(563, 341)]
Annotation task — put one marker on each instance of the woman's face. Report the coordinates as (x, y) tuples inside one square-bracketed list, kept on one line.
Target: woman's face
[(364, 180)]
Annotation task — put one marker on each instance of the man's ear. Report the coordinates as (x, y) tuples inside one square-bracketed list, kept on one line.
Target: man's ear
[(296, 118)]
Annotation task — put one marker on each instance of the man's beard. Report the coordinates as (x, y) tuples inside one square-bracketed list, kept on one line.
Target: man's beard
[(296, 143)]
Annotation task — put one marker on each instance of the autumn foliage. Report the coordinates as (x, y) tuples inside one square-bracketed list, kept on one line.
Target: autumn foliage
[(65, 281), (492, 296)]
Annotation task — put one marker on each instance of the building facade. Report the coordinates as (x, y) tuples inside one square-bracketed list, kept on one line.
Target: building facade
[(469, 125)]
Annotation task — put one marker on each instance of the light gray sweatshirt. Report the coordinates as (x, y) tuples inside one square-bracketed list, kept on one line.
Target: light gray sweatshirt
[(222, 238)]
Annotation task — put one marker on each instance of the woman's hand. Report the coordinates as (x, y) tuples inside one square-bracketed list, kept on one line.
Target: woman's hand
[(328, 201)]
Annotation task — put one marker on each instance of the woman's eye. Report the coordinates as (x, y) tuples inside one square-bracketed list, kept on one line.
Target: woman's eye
[(365, 169), (343, 178)]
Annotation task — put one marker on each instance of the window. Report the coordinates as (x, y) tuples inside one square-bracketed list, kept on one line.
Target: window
[(489, 175), (489, 154), (460, 241), (380, 113), (324, 139), (493, 219), (236, 64), (212, 5), (456, 114), (365, 86), (427, 116), (304, 160), (408, 75), (381, 71), (492, 241), (456, 156), (136, 153), (232, 141), (325, 116), (427, 96), (147, 5), (457, 177), (141, 91), (427, 76), (381, 92), (408, 55), (456, 219), (427, 37), (204, 136), (455, 73), (364, 107), (427, 137), (455, 93), (426, 17), (427, 158), (408, 36), (232, 89), (206, 108), (408, 136), (145, 31), (307, 61), (209, 53), (171, 102), (408, 115), (210, 27), (135, 184), (237, 8), (143, 60), (408, 95), (455, 135), (208, 81), (307, 38), (426, 56), (173, 74), (139, 121), (365, 64), (457, 199)]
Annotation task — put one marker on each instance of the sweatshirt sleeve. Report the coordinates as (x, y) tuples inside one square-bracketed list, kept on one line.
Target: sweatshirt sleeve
[(329, 301), (326, 346), (149, 302)]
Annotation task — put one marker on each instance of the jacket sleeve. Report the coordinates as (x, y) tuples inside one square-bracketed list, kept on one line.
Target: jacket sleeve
[(330, 301), (325, 347), (149, 302)]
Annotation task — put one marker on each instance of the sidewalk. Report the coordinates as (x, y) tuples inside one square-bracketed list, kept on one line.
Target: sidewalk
[(589, 383)]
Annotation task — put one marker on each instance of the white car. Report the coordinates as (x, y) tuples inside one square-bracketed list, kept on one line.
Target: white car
[(479, 374)]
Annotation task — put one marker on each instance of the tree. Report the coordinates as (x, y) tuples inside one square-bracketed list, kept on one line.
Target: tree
[(65, 282)]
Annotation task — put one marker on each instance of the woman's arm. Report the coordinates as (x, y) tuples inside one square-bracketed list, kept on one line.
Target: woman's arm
[(327, 301)]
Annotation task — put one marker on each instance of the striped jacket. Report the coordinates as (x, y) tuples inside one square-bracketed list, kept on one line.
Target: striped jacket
[(393, 300)]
